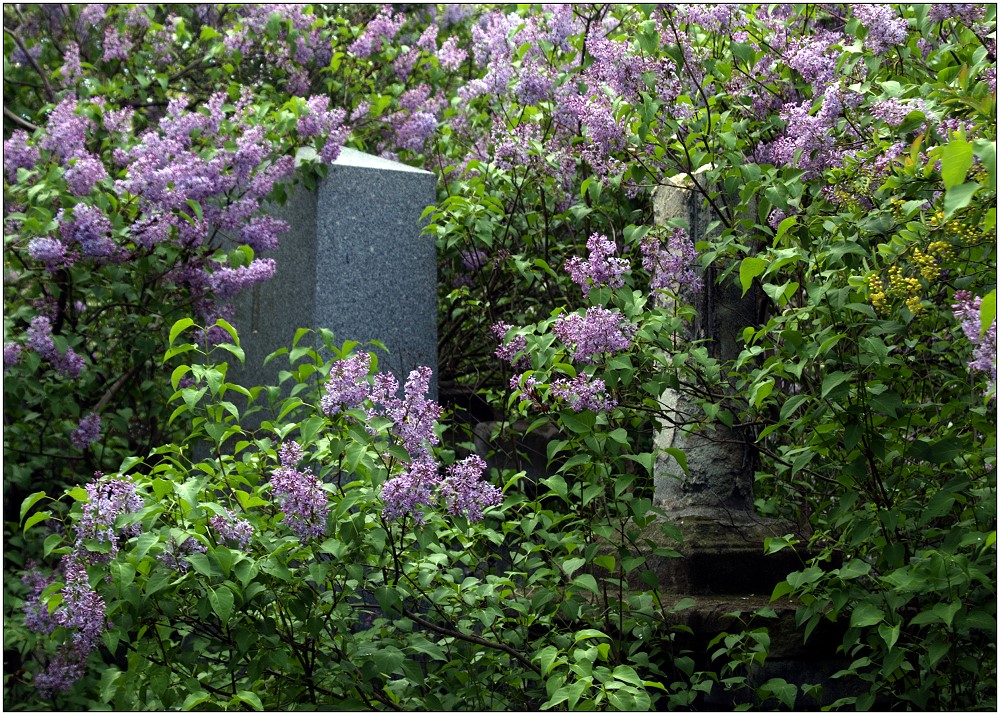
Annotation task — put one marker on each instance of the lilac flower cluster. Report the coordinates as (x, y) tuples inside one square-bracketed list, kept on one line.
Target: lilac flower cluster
[(347, 386), (40, 341), (450, 55), (321, 120), (508, 350), (599, 331), (85, 171), (885, 28), (300, 494), (891, 111), (87, 432), (984, 353), (583, 393), (227, 282), (66, 131), (235, 532), (967, 13), (174, 553), (413, 416), (89, 227), (36, 611), (600, 268), (116, 45), (385, 25), (463, 490), (11, 355), (19, 154), (405, 494), (51, 252), (673, 265), (107, 499)]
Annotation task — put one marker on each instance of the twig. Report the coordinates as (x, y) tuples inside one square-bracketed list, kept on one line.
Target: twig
[(23, 123)]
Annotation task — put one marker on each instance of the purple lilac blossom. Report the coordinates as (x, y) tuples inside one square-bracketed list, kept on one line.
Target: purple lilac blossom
[(40, 338), (891, 111), (66, 132), (227, 282), (415, 131), (968, 13), (508, 351), (82, 607), (600, 268), (413, 416), (300, 495), (673, 266), (48, 250), (90, 228), (385, 24), (11, 355), (87, 432), (36, 610), (107, 499), (235, 532), (583, 394), (405, 493), (599, 331), (984, 352), (173, 555), (87, 170), (67, 667), (18, 154), (886, 28), (116, 45), (451, 56), (463, 490), (347, 386), (775, 218)]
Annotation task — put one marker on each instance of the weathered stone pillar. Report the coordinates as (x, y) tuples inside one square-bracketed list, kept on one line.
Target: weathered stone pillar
[(711, 504), (354, 261)]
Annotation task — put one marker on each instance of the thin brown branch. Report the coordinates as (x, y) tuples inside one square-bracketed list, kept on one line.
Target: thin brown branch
[(23, 123)]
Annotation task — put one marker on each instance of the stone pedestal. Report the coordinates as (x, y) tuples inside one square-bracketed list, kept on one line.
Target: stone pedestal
[(354, 261)]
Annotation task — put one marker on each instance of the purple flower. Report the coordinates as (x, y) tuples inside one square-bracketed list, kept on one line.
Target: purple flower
[(11, 355), (416, 130), (984, 352), (600, 268), (385, 24), (36, 611), (66, 132), (48, 250), (414, 416), (235, 532), (67, 667), (82, 607), (583, 394), (87, 432), (674, 266), (116, 45), (18, 154), (227, 282), (508, 351), (428, 39), (404, 494), (107, 499), (261, 233), (891, 111), (91, 228), (70, 364), (300, 495), (347, 386), (119, 120), (86, 171), (451, 56), (40, 338), (599, 331), (173, 555), (775, 218), (885, 28), (464, 492), (967, 13)]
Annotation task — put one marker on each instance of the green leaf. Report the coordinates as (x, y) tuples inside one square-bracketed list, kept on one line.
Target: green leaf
[(987, 312), (195, 698), (250, 699), (30, 501), (587, 582), (547, 658), (956, 158), (866, 614), (35, 518), (201, 564), (179, 327), (572, 565), (750, 268), (958, 197), (221, 599), (832, 382)]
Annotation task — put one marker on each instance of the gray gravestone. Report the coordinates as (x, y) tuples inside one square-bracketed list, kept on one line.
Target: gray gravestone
[(354, 261)]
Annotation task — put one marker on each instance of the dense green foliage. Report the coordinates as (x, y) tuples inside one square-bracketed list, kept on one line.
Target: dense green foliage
[(847, 158)]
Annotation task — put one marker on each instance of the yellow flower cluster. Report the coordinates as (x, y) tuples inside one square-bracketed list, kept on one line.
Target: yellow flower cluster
[(904, 288), (964, 231)]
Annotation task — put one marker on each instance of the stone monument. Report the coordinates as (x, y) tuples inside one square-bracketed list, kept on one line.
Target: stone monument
[(354, 261)]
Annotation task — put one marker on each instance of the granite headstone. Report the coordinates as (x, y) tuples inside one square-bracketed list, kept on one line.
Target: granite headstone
[(354, 261)]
